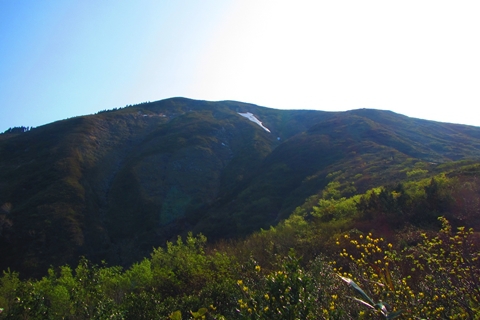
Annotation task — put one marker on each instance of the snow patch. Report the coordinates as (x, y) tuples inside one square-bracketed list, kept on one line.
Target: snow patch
[(252, 118)]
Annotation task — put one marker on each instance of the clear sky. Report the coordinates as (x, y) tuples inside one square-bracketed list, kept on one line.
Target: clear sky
[(62, 58)]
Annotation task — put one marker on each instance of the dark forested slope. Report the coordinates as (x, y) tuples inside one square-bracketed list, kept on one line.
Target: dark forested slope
[(113, 185)]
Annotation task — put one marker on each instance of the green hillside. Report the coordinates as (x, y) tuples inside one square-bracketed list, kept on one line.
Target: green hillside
[(114, 185), (408, 250)]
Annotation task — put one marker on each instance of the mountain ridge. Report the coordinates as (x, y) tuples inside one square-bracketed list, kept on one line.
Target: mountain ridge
[(113, 185)]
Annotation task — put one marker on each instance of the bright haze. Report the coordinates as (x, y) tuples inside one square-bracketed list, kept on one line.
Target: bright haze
[(62, 58)]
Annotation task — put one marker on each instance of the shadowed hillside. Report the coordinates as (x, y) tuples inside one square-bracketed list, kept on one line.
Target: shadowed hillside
[(113, 185)]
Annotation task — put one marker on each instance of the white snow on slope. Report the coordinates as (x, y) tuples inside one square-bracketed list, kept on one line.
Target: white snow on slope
[(252, 118)]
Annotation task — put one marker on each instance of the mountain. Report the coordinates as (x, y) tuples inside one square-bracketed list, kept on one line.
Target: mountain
[(113, 185)]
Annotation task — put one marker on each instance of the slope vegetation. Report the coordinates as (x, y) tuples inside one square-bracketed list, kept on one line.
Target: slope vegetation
[(113, 185)]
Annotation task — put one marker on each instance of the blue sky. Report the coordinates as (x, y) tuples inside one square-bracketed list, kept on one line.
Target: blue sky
[(62, 58)]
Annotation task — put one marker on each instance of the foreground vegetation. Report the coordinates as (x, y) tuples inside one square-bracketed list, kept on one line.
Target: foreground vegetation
[(406, 251)]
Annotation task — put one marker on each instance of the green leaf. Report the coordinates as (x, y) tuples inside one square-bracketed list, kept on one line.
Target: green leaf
[(363, 302), (176, 315), (200, 313), (381, 306), (389, 279), (355, 286)]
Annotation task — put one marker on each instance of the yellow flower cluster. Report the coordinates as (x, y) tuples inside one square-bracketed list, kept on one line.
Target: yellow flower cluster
[(438, 278), (375, 260)]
